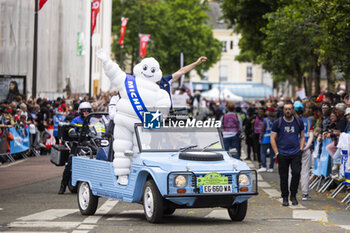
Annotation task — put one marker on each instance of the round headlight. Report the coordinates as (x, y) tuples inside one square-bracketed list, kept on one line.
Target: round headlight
[(180, 181), (243, 180)]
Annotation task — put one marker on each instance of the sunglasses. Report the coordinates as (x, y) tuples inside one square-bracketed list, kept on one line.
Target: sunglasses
[(85, 110)]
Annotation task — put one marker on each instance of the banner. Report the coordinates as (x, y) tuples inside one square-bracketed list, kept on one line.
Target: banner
[(20, 142), (81, 44), (322, 164), (95, 8), (301, 93), (122, 31), (41, 4), (144, 38)]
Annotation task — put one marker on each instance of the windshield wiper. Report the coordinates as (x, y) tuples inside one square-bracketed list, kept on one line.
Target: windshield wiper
[(211, 144), (182, 149)]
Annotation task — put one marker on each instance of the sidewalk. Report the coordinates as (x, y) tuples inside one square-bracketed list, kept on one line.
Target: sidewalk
[(322, 208), (28, 171)]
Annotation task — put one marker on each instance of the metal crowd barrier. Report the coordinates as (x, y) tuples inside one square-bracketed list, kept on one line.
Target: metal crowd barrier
[(321, 179)]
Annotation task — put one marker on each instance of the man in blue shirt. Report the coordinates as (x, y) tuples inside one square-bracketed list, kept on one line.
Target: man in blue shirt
[(288, 149)]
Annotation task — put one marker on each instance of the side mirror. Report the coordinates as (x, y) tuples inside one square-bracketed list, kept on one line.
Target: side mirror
[(232, 152)]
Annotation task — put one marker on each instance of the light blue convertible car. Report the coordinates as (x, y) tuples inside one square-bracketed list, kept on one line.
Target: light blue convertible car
[(175, 168)]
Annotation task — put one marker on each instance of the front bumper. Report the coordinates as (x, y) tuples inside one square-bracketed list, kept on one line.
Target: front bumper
[(192, 189)]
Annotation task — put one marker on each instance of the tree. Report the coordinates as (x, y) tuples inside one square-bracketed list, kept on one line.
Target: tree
[(247, 17), (293, 36), (335, 48), (175, 26)]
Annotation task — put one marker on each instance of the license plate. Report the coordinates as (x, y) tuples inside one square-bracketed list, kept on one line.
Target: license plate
[(226, 188)]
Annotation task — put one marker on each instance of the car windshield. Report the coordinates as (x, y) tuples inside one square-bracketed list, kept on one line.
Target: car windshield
[(97, 126), (177, 138)]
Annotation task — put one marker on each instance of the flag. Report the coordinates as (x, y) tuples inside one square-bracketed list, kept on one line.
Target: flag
[(122, 30), (182, 65), (95, 8), (41, 4), (144, 38), (81, 44)]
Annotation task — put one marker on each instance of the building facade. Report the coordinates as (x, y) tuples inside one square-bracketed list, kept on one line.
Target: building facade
[(63, 45), (228, 73)]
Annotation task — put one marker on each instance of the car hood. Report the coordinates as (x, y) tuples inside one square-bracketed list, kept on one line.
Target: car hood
[(170, 162)]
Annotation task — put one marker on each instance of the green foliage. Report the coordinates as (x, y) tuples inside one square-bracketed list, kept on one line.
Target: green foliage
[(287, 35), (292, 36), (247, 18), (335, 20), (175, 26)]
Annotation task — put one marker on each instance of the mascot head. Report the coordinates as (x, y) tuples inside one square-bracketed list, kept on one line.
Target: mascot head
[(148, 69)]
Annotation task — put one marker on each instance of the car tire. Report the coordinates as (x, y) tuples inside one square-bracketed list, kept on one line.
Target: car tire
[(86, 200), (72, 189), (153, 202), (169, 211), (238, 211)]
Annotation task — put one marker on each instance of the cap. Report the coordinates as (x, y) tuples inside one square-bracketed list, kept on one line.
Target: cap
[(63, 105), (59, 110), (272, 109), (320, 98), (298, 105), (347, 111)]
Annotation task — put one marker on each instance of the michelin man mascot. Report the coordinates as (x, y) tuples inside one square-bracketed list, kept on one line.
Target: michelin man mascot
[(139, 94)]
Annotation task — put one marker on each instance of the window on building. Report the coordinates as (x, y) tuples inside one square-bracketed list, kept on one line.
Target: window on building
[(231, 45), (224, 46), (249, 73), (223, 73)]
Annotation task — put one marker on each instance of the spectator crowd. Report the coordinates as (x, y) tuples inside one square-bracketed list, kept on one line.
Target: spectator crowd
[(248, 123), (329, 116), (40, 114)]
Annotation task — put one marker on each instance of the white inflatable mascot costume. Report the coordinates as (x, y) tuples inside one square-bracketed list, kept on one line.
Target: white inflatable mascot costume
[(138, 94)]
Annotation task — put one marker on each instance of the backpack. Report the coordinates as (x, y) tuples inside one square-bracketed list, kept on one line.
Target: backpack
[(299, 121)]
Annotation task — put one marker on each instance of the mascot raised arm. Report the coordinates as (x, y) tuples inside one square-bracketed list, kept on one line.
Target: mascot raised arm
[(139, 94)]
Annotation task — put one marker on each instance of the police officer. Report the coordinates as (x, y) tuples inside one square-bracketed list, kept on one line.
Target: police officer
[(84, 109)]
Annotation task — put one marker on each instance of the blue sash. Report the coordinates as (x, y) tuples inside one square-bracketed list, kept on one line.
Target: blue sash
[(134, 97)]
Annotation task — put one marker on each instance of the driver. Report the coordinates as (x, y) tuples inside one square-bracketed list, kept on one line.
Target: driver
[(84, 109)]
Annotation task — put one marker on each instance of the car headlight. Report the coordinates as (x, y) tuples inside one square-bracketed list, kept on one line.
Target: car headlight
[(243, 180), (180, 181)]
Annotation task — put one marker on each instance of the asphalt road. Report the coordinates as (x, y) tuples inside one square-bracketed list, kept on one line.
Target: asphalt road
[(32, 205)]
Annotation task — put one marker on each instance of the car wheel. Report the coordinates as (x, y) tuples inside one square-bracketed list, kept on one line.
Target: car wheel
[(169, 211), (238, 211), (152, 202), (72, 189), (86, 200)]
